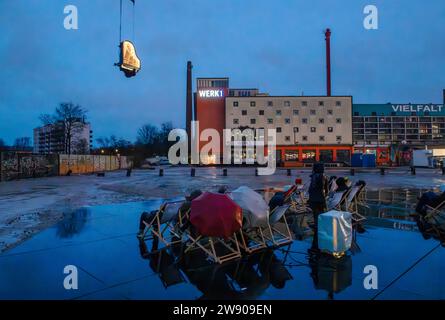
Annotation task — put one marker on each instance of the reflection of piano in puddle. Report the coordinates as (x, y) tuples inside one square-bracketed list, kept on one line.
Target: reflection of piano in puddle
[(129, 62)]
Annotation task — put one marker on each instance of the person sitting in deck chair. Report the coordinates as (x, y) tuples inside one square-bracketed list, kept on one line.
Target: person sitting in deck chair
[(430, 199), (148, 217), (186, 207), (342, 184)]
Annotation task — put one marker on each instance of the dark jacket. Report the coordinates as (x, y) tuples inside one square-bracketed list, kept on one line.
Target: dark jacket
[(318, 188)]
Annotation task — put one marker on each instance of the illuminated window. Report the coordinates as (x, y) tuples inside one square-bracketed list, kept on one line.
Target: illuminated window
[(308, 155), (291, 155)]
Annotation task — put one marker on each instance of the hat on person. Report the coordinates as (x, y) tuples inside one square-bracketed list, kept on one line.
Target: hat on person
[(193, 195)]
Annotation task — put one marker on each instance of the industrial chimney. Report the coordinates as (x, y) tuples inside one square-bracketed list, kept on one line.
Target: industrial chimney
[(328, 62), (189, 104)]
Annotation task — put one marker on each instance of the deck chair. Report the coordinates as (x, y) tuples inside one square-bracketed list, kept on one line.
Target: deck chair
[(352, 201), (277, 230), (337, 200), (218, 250), (163, 224), (435, 217), (297, 199), (434, 213), (252, 240)]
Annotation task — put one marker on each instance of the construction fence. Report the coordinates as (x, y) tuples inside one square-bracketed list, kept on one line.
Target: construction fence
[(17, 165)]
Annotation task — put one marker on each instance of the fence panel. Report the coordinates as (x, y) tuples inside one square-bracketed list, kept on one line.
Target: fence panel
[(17, 165)]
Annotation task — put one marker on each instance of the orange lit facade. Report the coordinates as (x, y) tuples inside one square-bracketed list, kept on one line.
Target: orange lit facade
[(210, 106)]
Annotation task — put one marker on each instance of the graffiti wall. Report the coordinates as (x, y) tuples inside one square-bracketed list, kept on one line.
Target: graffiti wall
[(79, 164), (15, 165)]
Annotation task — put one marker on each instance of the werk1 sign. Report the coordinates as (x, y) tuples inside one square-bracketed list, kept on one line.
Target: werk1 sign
[(211, 93)]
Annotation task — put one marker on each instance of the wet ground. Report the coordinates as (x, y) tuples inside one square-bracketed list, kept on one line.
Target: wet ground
[(113, 264), (31, 205)]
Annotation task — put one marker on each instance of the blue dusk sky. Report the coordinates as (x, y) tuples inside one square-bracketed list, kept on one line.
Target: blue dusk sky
[(275, 45)]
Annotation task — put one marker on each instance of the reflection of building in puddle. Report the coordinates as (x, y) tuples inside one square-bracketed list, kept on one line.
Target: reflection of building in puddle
[(73, 223), (331, 274), (246, 278), (391, 204)]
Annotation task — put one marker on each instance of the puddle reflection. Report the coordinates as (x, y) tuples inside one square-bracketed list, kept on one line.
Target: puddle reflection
[(73, 223)]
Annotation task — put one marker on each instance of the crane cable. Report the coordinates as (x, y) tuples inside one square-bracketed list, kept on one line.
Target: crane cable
[(120, 21)]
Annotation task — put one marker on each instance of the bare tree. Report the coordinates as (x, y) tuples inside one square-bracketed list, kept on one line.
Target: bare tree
[(82, 147), (147, 135), (67, 114), (112, 142), (22, 143)]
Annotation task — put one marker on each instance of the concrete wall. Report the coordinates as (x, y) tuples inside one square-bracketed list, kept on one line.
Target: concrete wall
[(79, 164), (15, 165)]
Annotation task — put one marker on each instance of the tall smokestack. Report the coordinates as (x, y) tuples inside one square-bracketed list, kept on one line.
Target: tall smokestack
[(328, 62), (189, 104)]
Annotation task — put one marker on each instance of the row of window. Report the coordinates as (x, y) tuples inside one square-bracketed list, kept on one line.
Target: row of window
[(320, 138), (397, 119), (296, 112), (287, 121), (393, 114), (287, 103)]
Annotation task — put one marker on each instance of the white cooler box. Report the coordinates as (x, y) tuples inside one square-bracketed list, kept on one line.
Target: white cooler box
[(335, 231)]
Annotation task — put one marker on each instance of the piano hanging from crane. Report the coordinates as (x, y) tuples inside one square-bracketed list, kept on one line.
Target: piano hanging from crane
[(129, 63)]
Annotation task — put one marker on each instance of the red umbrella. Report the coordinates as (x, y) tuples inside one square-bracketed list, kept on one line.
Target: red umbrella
[(215, 215)]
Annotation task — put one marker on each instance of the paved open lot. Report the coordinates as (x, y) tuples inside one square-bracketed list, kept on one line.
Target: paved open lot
[(29, 206)]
